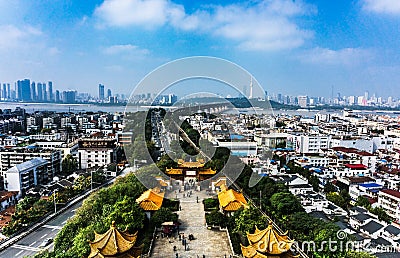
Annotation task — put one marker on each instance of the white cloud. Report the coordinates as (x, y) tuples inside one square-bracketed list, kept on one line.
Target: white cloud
[(12, 37), (382, 6), (148, 13), (124, 49), (345, 56), (260, 25)]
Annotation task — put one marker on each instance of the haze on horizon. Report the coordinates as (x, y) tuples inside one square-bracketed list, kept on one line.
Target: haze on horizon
[(290, 47)]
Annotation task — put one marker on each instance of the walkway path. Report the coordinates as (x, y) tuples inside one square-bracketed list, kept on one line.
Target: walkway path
[(211, 243)]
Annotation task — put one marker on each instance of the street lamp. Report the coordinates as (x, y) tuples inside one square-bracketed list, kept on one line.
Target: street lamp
[(55, 203)]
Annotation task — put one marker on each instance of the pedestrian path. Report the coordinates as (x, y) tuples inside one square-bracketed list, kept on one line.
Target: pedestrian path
[(210, 243)]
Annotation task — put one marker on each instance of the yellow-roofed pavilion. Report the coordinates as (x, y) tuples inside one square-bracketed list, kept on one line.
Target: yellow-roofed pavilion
[(190, 170), (114, 244), (151, 200), (230, 200), (268, 243)]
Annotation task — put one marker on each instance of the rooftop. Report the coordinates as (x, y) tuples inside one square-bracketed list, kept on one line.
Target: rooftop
[(28, 165), (392, 192)]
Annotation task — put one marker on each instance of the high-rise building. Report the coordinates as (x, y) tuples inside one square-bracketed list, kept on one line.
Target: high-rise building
[(44, 92), (101, 91), (109, 93), (4, 91), (303, 101), (69, 96), (8, 91), (23, 90), (50, 96), (57, 97), (33, 91), (39, 91)]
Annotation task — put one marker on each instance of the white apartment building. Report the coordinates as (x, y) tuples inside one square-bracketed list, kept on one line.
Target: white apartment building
[(313, 161), (15, 156), (309, 143), (362, 144), (239, 148), (271, 140), (23, 176), (94, 152), (390, 201)]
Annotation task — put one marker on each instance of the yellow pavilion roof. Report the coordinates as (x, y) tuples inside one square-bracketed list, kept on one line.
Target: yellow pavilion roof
[(190, 164), (207, 171), (114, 243), (230, 200), (174, 171), (151, 200), (267, 243)]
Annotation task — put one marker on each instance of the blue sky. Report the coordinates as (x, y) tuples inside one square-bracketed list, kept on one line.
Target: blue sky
[(291, 47)]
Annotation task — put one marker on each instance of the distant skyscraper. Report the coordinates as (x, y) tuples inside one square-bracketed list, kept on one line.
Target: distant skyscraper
[(101, 91), (24, 90), (57, 97), (8, 91), (109, 93), (39, 91), (50, 91), (44, 92), (4, 91), (303, 101), (33, 91), (69, 96)]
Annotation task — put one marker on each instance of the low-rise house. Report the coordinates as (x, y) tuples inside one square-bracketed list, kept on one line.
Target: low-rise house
[(372, 229), (7, 199)]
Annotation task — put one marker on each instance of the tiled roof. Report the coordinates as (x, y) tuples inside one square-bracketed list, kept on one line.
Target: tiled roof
[(263, 244), (393, 230), (174, 171), (28, 165), (372, 226), (391, 192), (230, 200), (114, 243), (150, 200)]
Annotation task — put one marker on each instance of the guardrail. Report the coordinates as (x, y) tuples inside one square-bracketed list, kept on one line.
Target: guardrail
[(18, 236)]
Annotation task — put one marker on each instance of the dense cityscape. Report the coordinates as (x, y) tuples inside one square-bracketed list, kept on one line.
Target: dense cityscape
[(29, 91), (199, 129)]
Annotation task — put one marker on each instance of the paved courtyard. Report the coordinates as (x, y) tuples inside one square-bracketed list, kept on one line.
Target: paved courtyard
[(211, 243)]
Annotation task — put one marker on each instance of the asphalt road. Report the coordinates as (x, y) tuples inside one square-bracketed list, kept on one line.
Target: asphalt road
[(29, 245)]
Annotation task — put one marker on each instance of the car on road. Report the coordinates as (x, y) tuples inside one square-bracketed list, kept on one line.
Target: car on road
[(46, 242)]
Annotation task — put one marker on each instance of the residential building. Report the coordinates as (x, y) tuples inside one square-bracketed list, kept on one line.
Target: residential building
[(25, 175), (389, 200)]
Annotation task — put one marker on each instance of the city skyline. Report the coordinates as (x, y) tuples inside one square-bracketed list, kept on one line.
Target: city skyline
[(293, 47)]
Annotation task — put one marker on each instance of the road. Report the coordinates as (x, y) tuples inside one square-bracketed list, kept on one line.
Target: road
[(29, 245)]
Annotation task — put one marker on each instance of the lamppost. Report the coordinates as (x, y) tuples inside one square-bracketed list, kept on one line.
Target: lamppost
[(54, 198)]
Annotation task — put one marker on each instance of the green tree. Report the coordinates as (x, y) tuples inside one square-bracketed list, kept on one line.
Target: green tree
[(285, 203), (69, 164), (363, 202), (127, 214), (247, 219), (216, 218), (329, 187), (163, 215)]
